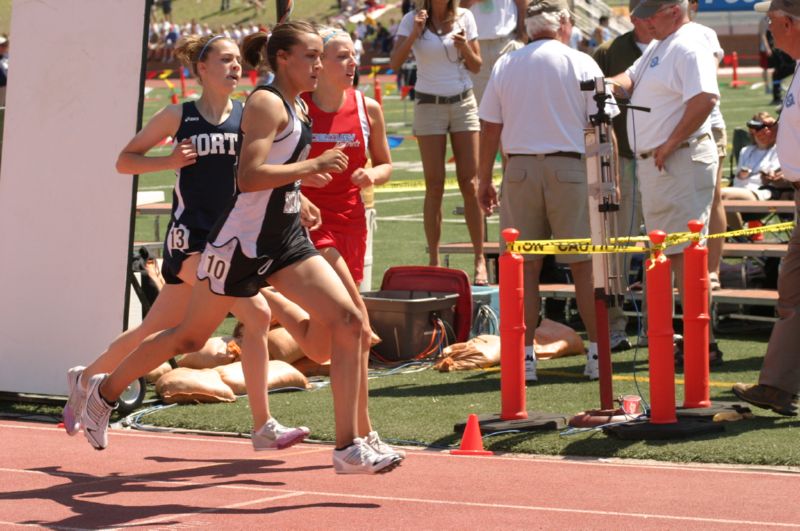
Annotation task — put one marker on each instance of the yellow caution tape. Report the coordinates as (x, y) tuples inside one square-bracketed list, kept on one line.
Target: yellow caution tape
[(616, 245), (569, 247)]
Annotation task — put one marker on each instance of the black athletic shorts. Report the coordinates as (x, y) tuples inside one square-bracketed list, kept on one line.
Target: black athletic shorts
[(232, 273)]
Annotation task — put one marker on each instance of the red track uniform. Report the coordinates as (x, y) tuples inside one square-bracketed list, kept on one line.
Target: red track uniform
[(343, 218)]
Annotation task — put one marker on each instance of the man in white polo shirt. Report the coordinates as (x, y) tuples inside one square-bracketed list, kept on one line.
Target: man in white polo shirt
[(499, 22), (544, 191), (779, 381), (676, 157)]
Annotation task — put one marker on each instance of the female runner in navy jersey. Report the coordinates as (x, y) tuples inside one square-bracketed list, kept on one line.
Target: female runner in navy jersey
[(206, 134), (260, 238), (341, 115)]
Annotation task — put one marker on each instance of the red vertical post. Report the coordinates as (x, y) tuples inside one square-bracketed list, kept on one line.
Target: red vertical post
[(604, 349), (377, 88), (183, 82), (253, 75), (735, 64), (660, 335), (695, 322), (512, 333)]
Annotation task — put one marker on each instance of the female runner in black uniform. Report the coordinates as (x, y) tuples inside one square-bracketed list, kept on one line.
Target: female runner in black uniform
[(260, 239), (206, 140)]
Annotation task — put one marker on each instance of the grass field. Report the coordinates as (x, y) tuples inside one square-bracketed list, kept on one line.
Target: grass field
[(420, 407)]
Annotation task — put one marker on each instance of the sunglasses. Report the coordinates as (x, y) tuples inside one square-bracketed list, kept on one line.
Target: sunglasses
[(755, 125)]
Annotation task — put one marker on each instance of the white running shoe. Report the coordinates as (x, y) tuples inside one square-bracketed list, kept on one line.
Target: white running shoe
[(360, 458), (592, 369), (381, 447), (275, 436), (77, 397), (530, 364), (96, 414), (618, 341)]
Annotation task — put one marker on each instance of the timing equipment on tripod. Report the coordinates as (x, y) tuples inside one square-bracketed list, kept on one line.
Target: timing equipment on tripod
[(604, 196)]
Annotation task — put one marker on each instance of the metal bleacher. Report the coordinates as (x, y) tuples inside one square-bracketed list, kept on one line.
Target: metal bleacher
[(588, 12)]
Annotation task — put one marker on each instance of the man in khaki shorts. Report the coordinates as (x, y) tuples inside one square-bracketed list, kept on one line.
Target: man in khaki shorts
[(544, 192), (676, 157)]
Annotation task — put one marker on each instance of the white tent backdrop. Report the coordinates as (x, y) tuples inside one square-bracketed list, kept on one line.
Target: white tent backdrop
[(65, 213)]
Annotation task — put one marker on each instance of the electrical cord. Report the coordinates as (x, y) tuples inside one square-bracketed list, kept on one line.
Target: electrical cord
[(486, 321)]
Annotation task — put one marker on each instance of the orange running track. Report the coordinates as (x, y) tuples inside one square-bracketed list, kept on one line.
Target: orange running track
[(151, 480)]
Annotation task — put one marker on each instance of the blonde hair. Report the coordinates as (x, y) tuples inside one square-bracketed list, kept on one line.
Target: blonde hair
[(194, 49), (329, 33)]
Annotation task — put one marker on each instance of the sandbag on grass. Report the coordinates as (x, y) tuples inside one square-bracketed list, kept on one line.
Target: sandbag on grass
[(153, 376), (309, 367), (556, 340), (280, 375), (193, 386), (217, 351), (477, 353)]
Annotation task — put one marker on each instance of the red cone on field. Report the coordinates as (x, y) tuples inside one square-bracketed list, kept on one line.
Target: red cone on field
[(377, 91), (471, 442), (174, 98)]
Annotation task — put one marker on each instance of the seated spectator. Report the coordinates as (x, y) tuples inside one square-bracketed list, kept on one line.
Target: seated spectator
[(171, 37), (758, 171), (601, 33)]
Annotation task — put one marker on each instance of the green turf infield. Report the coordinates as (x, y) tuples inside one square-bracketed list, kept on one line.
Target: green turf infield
[(430, 402), (421, 407)]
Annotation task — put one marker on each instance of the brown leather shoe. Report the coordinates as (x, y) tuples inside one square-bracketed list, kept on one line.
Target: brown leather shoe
[(767, 397)]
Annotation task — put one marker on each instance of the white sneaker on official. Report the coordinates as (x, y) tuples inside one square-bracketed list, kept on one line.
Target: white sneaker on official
[(381, 447), (96, 414), (275, 436), (618, 341), (73, 409), (530, 364), (360, 458), (592, 369)]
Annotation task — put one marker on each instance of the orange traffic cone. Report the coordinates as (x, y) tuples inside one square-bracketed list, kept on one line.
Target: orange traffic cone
[(174, 98), (471, 442)]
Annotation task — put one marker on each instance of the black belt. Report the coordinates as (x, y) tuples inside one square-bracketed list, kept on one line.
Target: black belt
[(421, 97), (647, 154), (568, 154)]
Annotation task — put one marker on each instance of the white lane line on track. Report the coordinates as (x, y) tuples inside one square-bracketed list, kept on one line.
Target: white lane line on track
[(288, 493), (776, 471)]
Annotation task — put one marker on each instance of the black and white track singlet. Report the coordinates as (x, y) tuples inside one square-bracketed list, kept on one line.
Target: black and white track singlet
[(261, 231), (203, 190)]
